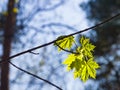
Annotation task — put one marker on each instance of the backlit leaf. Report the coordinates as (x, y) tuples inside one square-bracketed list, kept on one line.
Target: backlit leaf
[(89, 69), (69, 61), (65, 43), (82, 61)]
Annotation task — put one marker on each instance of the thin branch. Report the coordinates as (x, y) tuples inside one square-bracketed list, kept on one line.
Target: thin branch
[(35, 11), (27, 51), (76, 44), (35, 76), (95, 26), (49, 43), (34, 53), (58, 25), (65, 49)]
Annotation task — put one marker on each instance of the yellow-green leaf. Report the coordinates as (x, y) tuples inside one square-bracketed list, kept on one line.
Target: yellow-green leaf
[(89, 69), (82, 62), (69, 61), (84, 72), (65, 43)]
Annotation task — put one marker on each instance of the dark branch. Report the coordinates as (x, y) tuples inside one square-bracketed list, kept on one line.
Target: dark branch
[(35, 76), (66, 50), (97, 25), (27, 51), (34, 53)]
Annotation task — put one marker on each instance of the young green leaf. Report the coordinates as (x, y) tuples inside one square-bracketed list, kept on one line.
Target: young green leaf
[(82, 61), (84, 73), (86, 70), (65, 43), (87, 47), (69, 61)]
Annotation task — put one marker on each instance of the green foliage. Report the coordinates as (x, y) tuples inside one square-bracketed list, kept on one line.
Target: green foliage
[(82, 62), (86, 47), (64, 42)]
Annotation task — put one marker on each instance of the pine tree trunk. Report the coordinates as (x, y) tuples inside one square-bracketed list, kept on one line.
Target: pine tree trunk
[(8, 35)]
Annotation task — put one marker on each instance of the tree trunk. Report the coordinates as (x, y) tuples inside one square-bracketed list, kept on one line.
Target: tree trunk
[(8, 35)]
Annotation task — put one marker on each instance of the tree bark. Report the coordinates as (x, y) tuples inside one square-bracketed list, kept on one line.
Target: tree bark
[(8, 35)]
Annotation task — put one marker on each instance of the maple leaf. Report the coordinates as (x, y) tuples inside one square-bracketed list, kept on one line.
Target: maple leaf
[(88, 69), (69, 61), (65, 42), (86, 46), (82, 61)]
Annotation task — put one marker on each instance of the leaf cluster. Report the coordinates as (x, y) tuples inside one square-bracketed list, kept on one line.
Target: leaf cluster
[(82, 62)]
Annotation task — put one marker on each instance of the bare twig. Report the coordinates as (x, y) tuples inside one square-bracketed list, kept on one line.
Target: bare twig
[(35, 76), (49, 43), (34, 53), (65, 49)]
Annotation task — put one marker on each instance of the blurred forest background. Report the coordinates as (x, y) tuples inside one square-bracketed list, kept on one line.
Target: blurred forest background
[(107, 41), (25, 24)]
